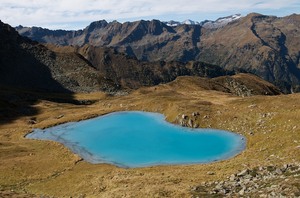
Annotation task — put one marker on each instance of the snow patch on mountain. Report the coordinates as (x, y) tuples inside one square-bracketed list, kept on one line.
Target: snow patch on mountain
[(190, 22), (176, 23), (172, 23), (220, 22)]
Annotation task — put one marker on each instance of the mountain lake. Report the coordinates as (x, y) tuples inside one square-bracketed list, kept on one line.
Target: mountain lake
[(132, 139)]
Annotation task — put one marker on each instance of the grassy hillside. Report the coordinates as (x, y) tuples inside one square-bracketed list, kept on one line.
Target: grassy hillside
[(270, 124)]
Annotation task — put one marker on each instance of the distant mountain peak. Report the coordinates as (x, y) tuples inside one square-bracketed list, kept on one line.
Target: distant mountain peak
[(97, 25), (220, 22), (231, 17)]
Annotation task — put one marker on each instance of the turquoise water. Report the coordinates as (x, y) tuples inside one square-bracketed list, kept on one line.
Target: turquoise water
[(138, 139)]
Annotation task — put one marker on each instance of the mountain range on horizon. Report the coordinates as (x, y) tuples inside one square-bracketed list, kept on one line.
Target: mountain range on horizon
[(134, 54), (267, 46), (220, 21), (29, 65)]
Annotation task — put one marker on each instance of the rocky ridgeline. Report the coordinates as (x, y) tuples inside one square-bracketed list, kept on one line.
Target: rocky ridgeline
[(268, 181)]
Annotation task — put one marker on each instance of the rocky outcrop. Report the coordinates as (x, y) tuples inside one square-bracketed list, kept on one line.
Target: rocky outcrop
[(263, 181), (188, 121), (246, 85)]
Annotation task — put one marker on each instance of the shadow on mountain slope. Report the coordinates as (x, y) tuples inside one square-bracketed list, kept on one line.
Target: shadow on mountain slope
[(27, 65)]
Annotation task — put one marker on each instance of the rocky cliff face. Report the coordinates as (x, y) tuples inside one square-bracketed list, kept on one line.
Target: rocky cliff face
[(263, 45)]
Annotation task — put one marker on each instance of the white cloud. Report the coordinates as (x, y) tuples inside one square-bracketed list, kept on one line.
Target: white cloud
[(60, 13)]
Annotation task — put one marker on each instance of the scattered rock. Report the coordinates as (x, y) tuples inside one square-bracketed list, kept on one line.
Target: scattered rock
[(60, 116), (195, 114), (242, 191), (32, 121), (260, 181), (278, 171), (190, 123), (210, 173), (232, 177), (252, 106), (243, 172), (182, 122)]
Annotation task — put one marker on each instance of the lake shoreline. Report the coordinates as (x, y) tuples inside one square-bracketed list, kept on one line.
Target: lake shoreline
[(96, 158)]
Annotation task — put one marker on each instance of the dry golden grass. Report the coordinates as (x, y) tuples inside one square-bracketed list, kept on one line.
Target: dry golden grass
[(48, 168)]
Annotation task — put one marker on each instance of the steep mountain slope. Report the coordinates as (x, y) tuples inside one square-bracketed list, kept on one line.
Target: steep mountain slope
[(30, 65), (127, 72), (264, 45), (27, 64)]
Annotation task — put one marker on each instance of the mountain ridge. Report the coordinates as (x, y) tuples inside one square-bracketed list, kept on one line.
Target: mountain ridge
[(259, 44), (89, 68)]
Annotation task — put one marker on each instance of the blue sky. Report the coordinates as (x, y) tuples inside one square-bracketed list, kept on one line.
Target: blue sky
[(77, 14)]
